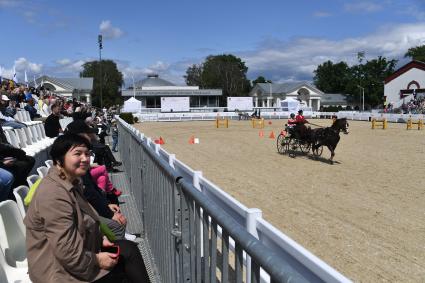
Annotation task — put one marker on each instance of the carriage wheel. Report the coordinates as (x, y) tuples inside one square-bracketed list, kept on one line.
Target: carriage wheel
[(292, 146), (281, 144), (304, 146), (318, 152)]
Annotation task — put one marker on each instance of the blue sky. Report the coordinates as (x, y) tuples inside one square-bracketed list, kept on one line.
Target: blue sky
[(281, 40)]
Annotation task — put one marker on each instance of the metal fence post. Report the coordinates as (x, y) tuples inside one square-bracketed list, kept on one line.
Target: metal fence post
[(171, 159), (251, 226), (196, 176)]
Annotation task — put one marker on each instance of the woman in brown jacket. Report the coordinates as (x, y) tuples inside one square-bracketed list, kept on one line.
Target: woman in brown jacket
[(64, 242)]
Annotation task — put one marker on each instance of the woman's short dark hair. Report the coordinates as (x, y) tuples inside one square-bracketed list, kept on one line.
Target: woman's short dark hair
[(63, 144)]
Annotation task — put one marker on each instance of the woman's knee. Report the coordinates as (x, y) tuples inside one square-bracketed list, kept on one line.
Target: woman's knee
[(6, 178), (128, 249)]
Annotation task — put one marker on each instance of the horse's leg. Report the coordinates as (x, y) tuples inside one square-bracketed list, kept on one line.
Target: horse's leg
[(332, 150)]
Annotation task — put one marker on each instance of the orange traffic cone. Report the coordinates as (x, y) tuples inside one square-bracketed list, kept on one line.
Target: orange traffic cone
[(261, 134), (272, 135), (161, 141), (156, 141), (270, 122), (192, 140)]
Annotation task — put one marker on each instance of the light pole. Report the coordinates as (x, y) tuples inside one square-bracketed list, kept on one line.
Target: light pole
[(270, 90), (362, 88), (99, 40), (134, 87)]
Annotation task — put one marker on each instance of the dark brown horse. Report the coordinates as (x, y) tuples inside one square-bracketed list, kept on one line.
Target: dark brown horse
[(328, 136)]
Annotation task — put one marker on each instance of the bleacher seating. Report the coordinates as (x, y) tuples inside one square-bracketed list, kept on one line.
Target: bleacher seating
[(42, 171), (20, 193), (24, 117), (49, 163), (13, 260), (32, 179)]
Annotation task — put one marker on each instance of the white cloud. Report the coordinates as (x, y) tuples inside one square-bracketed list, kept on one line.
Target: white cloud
[(22, 64), (109, 31), (363, 6), (166, 71), (64, 61), (321, 14), (298, 58), (68, 68)]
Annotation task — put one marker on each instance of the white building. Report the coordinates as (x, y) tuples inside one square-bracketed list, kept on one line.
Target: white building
[(69, 88), (151, 89), (270, 94), (405, 83)]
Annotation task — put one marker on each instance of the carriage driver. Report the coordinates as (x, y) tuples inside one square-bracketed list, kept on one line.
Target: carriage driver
[(300, 118)]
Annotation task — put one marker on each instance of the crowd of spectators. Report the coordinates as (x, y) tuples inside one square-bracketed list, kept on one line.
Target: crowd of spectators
[(414, 106), (82, 256)]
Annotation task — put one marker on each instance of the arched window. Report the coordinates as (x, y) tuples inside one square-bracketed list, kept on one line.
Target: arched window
[(413, 85)]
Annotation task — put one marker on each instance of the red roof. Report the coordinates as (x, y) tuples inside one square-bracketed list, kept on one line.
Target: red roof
[(413, 64)]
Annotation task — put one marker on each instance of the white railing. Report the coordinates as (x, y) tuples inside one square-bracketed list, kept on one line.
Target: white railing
[(201, 116), (250, 218)]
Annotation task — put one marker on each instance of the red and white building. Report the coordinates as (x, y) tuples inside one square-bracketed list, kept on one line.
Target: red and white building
[(405, 83)]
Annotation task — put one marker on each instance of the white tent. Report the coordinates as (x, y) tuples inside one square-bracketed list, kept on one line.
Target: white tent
[(290, 105), (132, 105)]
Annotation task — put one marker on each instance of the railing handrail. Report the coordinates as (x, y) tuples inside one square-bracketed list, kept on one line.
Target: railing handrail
[(279, 269)]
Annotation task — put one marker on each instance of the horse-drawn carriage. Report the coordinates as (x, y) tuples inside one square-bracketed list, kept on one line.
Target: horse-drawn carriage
[(289, 144), (304, 139)]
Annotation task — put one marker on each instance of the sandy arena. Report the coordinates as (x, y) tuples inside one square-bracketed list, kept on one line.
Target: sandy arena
[(364, 215)]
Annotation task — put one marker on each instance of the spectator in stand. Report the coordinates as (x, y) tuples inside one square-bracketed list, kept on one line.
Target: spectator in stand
[(15, 160), (80, 113), (10, 108), (28, 94), (31, 109), (6, 179), (64, 242), (52, 126), (45, 109), (6, 121), (114, 135)]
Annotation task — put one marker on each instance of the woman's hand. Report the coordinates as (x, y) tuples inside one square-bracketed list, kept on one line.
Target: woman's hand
[(115, 208), (106, 243), (106, 260), (8, 162), (119, 218)]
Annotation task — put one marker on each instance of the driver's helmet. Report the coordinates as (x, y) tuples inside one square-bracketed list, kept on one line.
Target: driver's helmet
[(292, 115), (300, 111)]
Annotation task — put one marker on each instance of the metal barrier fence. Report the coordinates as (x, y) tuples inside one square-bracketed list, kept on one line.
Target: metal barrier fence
[(185, 218)]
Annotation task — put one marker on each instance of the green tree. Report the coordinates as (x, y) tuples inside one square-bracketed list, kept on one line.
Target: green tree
[(193, 75), (332, 78), (340, 78), (226, 72), (112, 79), (369, 76), (416, 53), (259, 80)]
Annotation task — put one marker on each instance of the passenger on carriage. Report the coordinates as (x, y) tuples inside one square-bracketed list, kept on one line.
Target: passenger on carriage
[(291, 124)]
